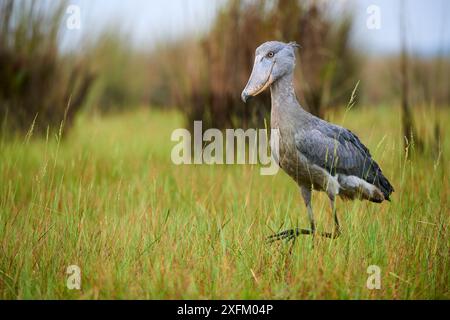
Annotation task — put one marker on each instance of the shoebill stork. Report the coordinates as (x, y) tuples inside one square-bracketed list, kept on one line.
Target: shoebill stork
[(317, 154)]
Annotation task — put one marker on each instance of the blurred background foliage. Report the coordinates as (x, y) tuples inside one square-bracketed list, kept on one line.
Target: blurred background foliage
[(37, 83), (200, 75), (207, 82)]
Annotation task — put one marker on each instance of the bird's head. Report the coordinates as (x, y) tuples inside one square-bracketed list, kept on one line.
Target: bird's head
[(273, 60)]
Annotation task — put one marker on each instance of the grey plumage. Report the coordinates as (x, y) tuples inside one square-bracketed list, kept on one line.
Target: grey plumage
[(316, 154), (339, 151)]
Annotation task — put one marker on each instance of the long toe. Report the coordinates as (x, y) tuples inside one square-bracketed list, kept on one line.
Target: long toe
[(292, 234), (288, 235), (334, 235)]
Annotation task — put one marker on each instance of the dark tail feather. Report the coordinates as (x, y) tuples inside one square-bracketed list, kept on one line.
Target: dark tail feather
[(384, 185)]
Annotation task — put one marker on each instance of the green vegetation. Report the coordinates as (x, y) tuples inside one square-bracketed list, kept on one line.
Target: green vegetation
[(95, 189), (36, 80), (108, 199)]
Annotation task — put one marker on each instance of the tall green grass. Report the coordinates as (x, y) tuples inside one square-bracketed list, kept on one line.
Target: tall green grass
[(108, 199)]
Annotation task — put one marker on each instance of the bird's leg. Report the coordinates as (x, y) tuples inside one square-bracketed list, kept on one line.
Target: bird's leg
[(311, 218), (337, 229), (306, 193), (294, 233)]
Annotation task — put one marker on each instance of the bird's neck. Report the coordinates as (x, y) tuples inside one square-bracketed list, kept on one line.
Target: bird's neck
[(283, 96)]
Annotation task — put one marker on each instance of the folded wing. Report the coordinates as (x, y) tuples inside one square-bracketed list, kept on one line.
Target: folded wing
[(339, 151)]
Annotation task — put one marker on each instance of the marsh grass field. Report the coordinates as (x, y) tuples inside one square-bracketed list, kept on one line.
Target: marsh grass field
[(107, 198)]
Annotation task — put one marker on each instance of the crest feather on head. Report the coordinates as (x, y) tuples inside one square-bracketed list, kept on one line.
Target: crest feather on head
[(294, 44)]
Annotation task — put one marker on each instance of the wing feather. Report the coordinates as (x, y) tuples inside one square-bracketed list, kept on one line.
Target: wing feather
[(339, 151)]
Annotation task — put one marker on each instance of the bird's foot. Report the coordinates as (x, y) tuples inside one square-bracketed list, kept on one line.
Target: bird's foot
[(331, 235), (292, 234), (337, 233), (288, 235)]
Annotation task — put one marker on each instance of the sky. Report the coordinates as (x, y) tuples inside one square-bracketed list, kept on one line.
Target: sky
[(427, 28), (150, 21)]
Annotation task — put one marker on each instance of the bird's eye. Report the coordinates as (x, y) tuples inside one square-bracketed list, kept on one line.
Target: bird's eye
[(270, 54)]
